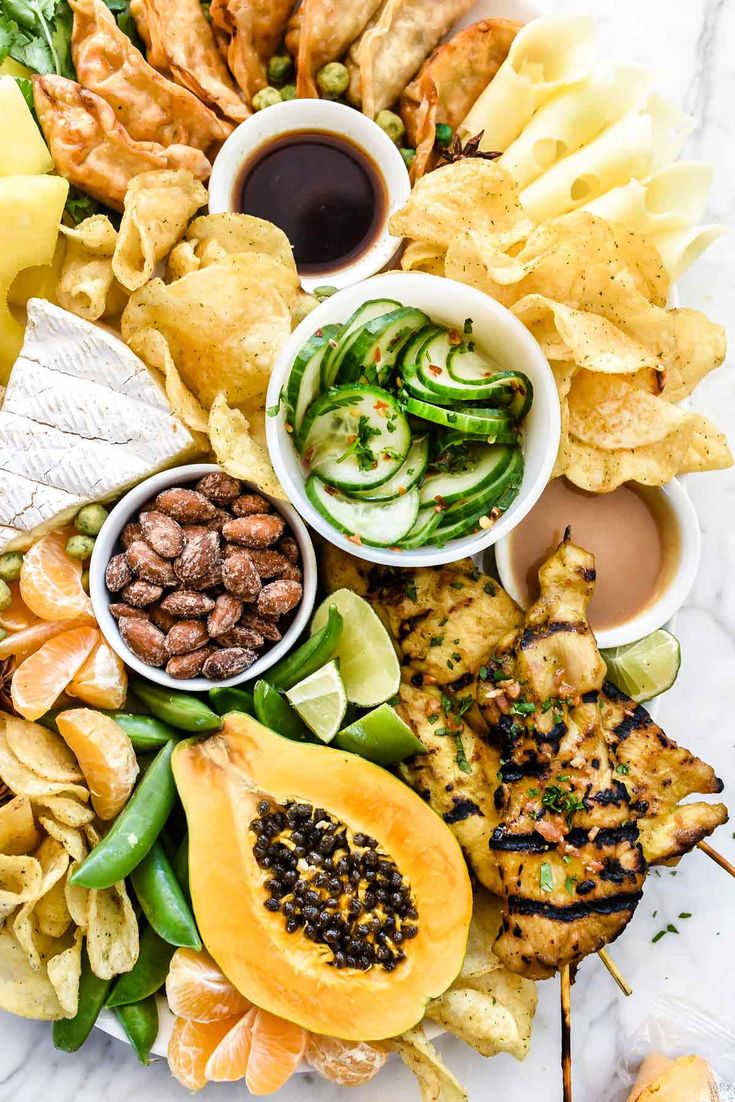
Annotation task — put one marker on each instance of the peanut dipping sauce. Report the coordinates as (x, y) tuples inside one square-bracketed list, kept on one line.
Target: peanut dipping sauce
[(631, 531)]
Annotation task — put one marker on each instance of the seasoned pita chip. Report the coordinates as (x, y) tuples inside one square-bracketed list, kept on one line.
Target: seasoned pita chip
[(93, 150), (436, 1082), (41, 750), (158, 206), (112, 932), (86, 279), (236, 450), (18, 831)]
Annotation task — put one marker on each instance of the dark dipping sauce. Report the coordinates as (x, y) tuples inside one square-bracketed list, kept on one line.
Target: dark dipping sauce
[(326, 195)]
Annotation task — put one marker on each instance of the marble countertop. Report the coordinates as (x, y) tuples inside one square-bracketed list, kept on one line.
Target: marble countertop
[(690, 44)]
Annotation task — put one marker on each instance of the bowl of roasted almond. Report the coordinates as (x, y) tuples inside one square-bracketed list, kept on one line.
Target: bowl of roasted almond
[(197, 578)]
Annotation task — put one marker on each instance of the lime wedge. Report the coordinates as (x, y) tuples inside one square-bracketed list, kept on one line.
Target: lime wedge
[(646, 668), (367, 661), (380, 736), (321, 702)]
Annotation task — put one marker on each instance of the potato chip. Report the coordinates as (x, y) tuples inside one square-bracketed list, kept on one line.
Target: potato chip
[(112, 932), (708, 448), (18, 831), (152, 348), (222, 325), (480, 958), (422, 256), (468, 194), (24, 991), (436, 1082), (483, 1020), (584, 338), (601, 471), (700, 347), (238, 452), (181, 260), (610, 413), (158, 206), (41, 750), (54, 861), (243, 233), (77, 900), (52, 912), (24, 782), (71, 838), (64, 972), (86, 276), (20, 880), (64, 810)]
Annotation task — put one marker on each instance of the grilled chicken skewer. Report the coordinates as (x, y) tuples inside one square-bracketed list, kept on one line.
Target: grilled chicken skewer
[(559, 788)]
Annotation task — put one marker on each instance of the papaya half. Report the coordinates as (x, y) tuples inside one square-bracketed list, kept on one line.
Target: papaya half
[(326, 890)]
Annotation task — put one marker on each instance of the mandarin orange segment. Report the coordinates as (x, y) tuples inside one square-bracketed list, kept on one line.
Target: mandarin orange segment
[(347, 1063), (229, 1061), (105, 755), (39, 680), (191, 1045), (51, 581), (102, 680), (28, 640), (16, 616), (276, 1050), (198, 991)]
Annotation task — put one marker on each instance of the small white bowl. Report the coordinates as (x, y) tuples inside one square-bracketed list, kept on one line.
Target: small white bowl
[(497, 332), (310, 115), (107, 545), (672, 597)]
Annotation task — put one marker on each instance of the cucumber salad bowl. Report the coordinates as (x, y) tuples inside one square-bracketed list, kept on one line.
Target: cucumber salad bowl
[(412, 420)]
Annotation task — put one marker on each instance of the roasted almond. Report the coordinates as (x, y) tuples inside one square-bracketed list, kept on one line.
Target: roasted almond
[(163, 534), (252, 622), (146, 564), (182, 666), (240, 576), (144, 639), (117, 573), (118, 610), (228, 662), (279, 597), (241, 637), (130, 533), (257, 530), (227, 611), (140, 593), (219, 487), (290, 548), (186, 506), (198, 557), (185, 636), (247, 504), (188, 603), (269, 563), (162, 619)]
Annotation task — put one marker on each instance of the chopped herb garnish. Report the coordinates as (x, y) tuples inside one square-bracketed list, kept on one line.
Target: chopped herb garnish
[(533, 792), (457, 657), (658, 936), (546, 877), (411, 591), (456, 585), (547, 704), (500, 675), (272, 411), (523, 708), (561, 801), (490, 589), (436, 640), (623, 768), (685, 914), (462, 762), (569, 884), (482, 673), (450, 664), (467, 325), (433, 718), (671, 929)]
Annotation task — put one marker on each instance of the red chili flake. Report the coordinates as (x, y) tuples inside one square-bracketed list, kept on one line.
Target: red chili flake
[(355, 539), (331, 491), (377, 355), (440, 501), (434, 369), (454, 337), (401, 491), (395, 548), (319, 333), (308, 456), (289, 427), (351, 438), (381, 407)]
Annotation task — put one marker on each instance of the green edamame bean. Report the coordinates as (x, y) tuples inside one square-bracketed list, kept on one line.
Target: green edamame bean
[(80, 547), (392, 124), (310, 656), (280, 68), (225, 700), (276, 713), (89, 519), (444, 133), (70, 1033), (333, 79), (148, 974), (145, 732), (5, 594), (164, 904), (266, 97), (288, 92), (409, 156), (136, 828), (182, 710), (140, 1022), (10, 565), (180, 865)]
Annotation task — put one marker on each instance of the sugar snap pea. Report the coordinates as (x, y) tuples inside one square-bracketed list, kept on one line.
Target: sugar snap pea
[(164, 904), (140, 1022), (182, 710), (276, 713), (145, 732), (69, 1034), (135, 829), (180, 863), (310, 656), (224, 699), (147, 975)]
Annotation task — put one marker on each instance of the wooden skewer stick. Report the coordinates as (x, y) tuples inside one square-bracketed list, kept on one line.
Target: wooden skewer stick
[(717, 858), (566, 1032), (615, 972)]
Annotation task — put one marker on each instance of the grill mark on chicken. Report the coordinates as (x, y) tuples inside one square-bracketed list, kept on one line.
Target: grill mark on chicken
[(462, 810), (571, 912), (505, 840), (532, 635)]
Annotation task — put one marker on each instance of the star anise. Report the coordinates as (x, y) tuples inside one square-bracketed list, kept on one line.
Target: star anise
[(6, 677), (471, 148)]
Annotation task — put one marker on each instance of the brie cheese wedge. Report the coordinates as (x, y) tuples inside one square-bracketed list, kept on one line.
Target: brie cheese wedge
[(83, 420)]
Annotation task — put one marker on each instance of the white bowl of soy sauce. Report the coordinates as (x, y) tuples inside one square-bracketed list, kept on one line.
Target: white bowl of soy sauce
[(327, 175)]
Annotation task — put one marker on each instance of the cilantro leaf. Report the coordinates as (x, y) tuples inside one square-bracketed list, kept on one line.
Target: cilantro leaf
[(43, 39), (9, 32), (27, 89)]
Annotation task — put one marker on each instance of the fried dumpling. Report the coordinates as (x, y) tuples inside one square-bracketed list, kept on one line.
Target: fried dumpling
[(93, 150), (179, 41), (389, 53), (450, 81), (149, 106), (248, 33), (322, 31)]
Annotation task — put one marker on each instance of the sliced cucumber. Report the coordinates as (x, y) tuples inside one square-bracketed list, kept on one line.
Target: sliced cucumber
[(375, 348), (479, 465), (494, 425), (466, 365), (304, 382), (355, 437), (507, 388), (369, 310), (491, 494), (426, 523), (381, 524), (405, 478)]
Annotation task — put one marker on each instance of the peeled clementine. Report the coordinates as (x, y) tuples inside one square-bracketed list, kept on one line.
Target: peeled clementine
[(198, 991), (191, 1045), (15, 616), (39, 680), (105, 755), (51, 581), (28, 640), (276, 1050), (229, 1061), (102, 680)]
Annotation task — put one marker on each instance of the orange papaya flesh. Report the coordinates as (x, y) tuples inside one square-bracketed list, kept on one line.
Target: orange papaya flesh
[(246, 774)]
